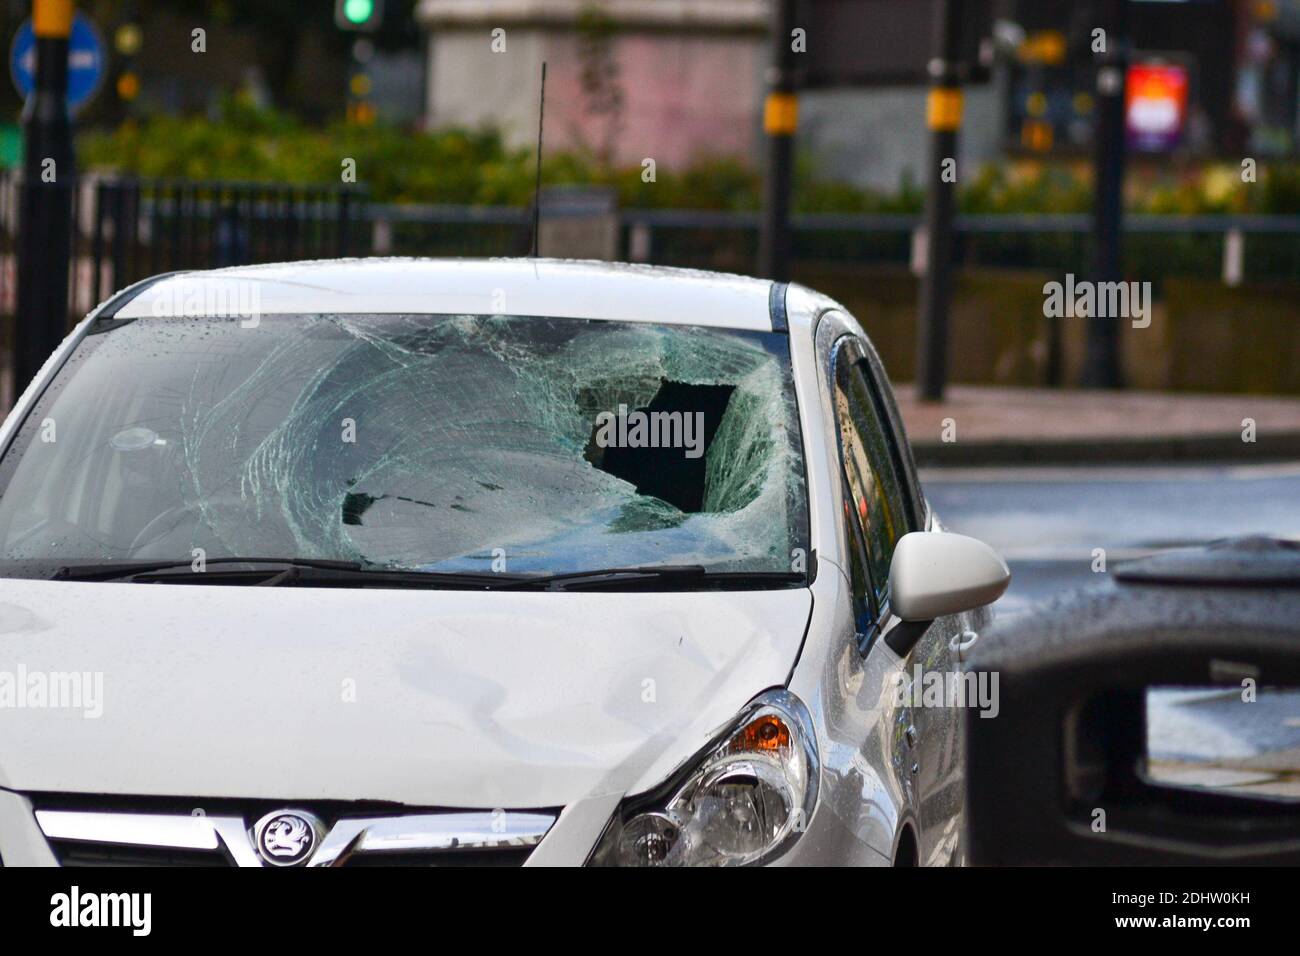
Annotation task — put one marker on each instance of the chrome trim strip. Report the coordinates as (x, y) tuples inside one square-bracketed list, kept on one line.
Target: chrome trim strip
[(134, 829), (236, 838), (473, 830)]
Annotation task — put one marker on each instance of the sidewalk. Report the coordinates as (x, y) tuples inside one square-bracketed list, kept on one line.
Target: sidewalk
[(993, 425)]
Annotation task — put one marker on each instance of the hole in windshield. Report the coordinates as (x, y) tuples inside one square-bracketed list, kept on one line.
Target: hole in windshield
[(670, 460)]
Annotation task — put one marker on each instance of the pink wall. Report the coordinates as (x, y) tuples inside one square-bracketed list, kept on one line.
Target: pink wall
[(683, 97)]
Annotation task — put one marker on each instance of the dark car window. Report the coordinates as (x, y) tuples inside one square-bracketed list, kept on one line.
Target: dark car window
[(876, 503), (887, 408)]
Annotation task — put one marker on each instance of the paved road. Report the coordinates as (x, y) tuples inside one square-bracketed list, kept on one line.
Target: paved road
[(1047, 521)]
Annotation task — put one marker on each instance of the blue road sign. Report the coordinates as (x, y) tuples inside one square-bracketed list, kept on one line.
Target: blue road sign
[(85, 61)]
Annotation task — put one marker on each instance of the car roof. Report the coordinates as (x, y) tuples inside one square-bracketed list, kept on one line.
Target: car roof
[(1253, 561), (529, 287)]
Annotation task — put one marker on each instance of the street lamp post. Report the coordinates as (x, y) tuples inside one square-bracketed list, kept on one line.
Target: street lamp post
[(45, 237), (943, 117), (780, 121), (1101, 367)]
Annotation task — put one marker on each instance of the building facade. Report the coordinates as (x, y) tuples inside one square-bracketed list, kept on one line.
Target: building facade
[(680, 80), (671, 80)]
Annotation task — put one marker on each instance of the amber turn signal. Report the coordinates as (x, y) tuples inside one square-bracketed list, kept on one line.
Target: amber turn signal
[(765, 735)]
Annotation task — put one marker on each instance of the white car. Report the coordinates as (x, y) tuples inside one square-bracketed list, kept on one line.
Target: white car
[(500, 562)]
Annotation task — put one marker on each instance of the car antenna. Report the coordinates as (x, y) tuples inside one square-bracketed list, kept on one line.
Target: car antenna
[(537, 191)]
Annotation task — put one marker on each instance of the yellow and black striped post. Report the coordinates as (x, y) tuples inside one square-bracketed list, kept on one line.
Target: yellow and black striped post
[(943, 114), (45, 238), (780, 122)]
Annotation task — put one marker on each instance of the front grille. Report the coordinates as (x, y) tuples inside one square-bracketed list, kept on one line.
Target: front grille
[(119, 831), (81, 853), (508, 856)]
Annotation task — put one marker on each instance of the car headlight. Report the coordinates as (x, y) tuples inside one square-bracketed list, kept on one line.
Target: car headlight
[(743, 800)]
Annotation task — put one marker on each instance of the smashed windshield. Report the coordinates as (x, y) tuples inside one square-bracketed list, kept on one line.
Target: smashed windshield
[(418, 442)]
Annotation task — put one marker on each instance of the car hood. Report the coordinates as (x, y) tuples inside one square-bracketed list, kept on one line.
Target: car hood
[(426, 698)]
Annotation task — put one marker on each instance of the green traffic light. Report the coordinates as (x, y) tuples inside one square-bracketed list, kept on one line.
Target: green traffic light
[(358, 11)]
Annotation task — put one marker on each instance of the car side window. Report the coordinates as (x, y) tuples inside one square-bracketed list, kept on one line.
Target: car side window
[(904, 464), (864, 593), (876, 503)]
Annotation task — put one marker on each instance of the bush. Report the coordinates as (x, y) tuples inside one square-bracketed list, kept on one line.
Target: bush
[(476, 167), (448, 166), (245, 144)]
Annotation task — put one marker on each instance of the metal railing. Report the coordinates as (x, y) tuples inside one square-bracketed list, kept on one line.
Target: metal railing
[(1158, 245), (125, 229)]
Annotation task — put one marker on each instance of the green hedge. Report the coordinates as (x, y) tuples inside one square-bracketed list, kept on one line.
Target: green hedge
[(476, 167), (448, 166)]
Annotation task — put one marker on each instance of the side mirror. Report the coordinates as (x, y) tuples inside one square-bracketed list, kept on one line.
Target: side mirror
[(938, 573)]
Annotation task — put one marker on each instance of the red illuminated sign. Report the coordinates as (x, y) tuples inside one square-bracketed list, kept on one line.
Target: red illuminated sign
[(1156, 106)]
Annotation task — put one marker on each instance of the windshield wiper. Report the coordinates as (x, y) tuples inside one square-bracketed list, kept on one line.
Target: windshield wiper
[(288, 572), (645, 577), (112, 570), (279, 572)]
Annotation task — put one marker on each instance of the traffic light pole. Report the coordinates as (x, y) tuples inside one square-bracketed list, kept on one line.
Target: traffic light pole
[(1101, 366), (780, 122), (943, 117), (45, 236)]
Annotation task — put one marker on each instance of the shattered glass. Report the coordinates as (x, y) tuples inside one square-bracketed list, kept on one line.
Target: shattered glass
[(407, 441)]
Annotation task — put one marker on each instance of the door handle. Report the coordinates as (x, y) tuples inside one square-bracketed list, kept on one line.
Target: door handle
[(962, 643)]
